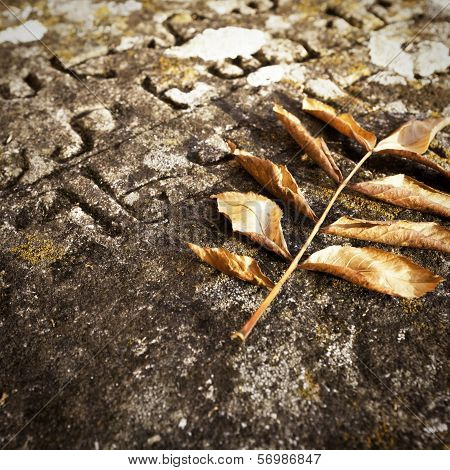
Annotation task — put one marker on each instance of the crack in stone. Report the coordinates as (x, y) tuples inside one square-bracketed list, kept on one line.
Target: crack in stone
[(108, 225), (90, 173)]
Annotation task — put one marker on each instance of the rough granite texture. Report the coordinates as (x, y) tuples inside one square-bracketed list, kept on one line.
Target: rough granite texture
[(112, 333)]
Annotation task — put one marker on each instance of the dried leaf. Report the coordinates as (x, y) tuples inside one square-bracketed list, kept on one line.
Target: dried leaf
[(275, 178), (428, 235), (374, 269), (343, 123), (316, 148), (404, 191), (412, 139), (255, 216), (242, 267)]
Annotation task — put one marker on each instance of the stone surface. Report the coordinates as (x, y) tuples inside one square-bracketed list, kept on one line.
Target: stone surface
[(112, 140)]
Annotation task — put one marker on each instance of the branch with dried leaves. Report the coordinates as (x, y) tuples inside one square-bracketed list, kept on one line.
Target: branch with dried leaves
[(259, 218)]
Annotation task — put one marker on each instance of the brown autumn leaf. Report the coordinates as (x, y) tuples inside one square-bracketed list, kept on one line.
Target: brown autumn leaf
[(255, 216), (374, 269), (428, 235), (404, 191), (316, 148), (412, 139), (275, 178), (242, 267), (343, 123)]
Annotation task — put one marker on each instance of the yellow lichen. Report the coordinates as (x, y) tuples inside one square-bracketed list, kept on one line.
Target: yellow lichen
[(359, 204), (38, 250), (411, 306), (323, 333), (181, 18), (102, 12), (380, 438), (310, 389), (3, 399), (177, 71)]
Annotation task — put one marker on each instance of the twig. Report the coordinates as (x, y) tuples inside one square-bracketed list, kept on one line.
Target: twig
[(248, 327)]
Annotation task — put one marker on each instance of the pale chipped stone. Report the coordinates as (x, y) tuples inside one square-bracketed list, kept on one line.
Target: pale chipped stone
[(436, 427), (74, 142), (97, 121), (437, 7), (38, 167), (83, 11), (325, 89), (295, 74), (341, 25), (195, 97), (356, 13), (249, 64), (216, 142), (223, 7), (277, 23), (11, 167), (431, 57), (385, 51), (387, 78), (128, 42), (398, 11), (266, 75), (282, 51), (19, 89), (123, 9), (212, 149), (423, 59), (131, 198), (227, 70), (28, 32), (154, 440), (396, 107), (220, 44), (79, 11)]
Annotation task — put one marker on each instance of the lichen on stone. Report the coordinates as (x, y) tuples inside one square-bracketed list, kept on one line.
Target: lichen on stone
[(38, 250)]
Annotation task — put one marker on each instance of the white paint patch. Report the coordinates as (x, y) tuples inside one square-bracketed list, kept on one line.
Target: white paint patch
[(220, 44), (431, 57), (325, 89), (266, 75), (28, 32), (387, 78), (197, 96)]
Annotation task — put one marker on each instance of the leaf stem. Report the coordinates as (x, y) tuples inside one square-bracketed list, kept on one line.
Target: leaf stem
[(243, 333)]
